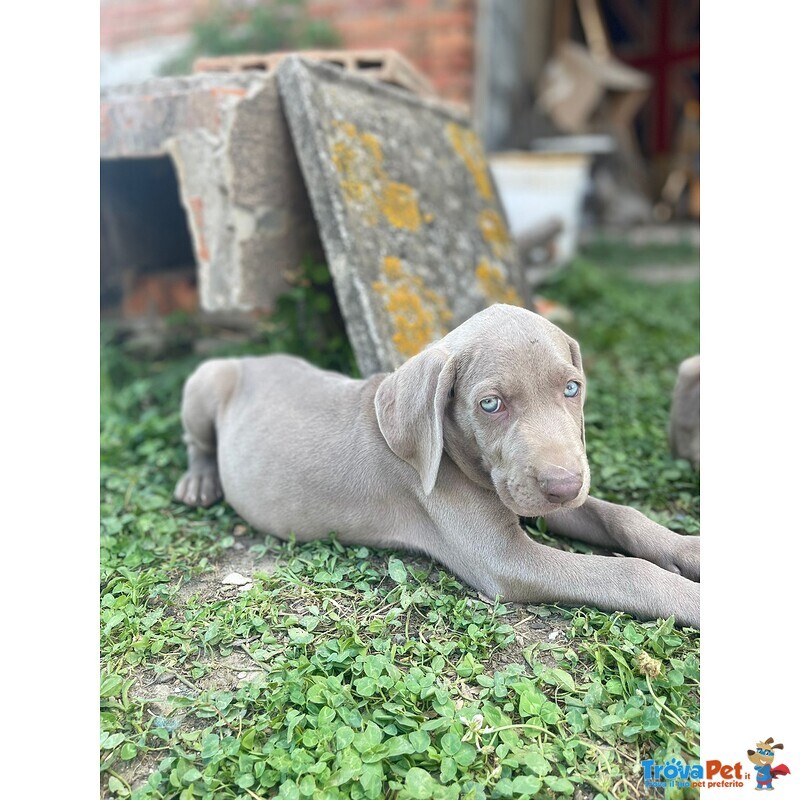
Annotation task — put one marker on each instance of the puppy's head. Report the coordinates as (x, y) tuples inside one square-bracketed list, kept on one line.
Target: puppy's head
[(502, 394)]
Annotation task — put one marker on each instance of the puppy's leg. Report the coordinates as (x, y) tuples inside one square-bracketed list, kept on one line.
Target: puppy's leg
[(204, 395), (613, 584), (507, 562), (622, 528)]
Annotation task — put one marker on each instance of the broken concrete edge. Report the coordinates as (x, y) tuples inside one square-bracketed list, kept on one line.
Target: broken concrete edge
[(140, 137), (445, 109), (330, 216), (249, 219), (330, 221)]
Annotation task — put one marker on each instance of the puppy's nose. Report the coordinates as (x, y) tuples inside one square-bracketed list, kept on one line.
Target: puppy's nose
[(560, 486)]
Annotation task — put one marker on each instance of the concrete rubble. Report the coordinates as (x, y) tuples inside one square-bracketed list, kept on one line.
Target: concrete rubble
[(237, 177), (396, 188)]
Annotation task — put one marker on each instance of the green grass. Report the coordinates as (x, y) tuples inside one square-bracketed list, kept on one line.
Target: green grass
[(369, 673)]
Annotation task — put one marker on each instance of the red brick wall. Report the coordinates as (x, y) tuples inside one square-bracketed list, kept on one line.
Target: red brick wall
[(128, 21), (437, 36)]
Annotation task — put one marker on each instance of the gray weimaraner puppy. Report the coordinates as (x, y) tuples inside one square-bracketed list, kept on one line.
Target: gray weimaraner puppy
[(442, 456)]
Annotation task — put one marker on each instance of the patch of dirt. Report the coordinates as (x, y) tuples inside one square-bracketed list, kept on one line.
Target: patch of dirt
[(230, 575), (228, 672), (134, 772), (660, 234), (224, 673), (530, 627), (160, 692), (237, 560), (666, 273)]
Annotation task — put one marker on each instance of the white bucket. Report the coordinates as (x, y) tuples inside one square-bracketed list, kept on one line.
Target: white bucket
[(537, 187)]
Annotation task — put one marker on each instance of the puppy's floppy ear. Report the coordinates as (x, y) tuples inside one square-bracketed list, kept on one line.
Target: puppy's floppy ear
[(410, 406), (577, 362), (575, 353)]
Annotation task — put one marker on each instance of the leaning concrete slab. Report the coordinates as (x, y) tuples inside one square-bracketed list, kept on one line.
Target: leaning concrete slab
[(247, 209), (414, 233)]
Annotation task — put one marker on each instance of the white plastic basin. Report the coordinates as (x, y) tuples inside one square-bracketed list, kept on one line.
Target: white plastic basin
[(535, 187)]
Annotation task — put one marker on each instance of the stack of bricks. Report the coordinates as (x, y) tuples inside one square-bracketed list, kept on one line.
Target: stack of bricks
[(386, 66)]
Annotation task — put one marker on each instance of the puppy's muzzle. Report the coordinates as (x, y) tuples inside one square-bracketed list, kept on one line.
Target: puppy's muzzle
[(560, 486)]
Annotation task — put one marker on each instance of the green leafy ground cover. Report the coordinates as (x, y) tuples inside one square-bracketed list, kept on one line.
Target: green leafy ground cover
[(346, 672)]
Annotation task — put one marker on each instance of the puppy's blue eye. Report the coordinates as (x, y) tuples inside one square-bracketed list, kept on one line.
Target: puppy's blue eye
[(491, 405), (571, 389)]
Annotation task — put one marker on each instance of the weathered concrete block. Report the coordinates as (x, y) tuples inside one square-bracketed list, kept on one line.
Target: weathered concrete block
[(415, 236), (238, 178)]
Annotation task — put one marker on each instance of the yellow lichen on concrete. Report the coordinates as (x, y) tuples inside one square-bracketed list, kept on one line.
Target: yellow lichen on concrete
[(358, 158), (357, 176), (398, 203), (393, 268), (493, 285), (495, 233), (371, 143), (468, 148), (419, 315)]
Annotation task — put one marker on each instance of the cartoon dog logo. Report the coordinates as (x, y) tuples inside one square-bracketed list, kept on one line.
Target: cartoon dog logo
[(762, 757)]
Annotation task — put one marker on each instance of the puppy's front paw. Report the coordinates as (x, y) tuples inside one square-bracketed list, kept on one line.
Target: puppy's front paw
[(686, 558), (199, 488), (687, 613)]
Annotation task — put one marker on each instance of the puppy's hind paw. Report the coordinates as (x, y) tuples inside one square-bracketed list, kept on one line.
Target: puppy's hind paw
[(201, 488)]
